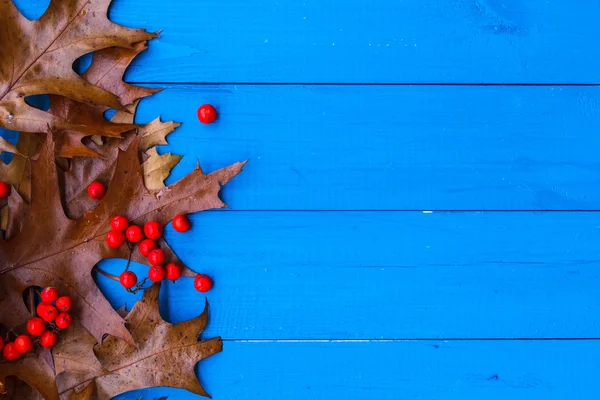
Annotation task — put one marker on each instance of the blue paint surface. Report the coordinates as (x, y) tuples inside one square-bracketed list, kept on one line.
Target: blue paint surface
[(386, 240)]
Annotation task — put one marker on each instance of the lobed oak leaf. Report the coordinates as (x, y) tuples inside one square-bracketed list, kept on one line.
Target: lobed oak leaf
[(165, 355), (36, 57), (106, 71), (53, 250), (84, 170), (34, 369)]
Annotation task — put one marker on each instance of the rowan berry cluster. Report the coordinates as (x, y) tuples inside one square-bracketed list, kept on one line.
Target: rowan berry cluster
[(122, 231), (52, 316)]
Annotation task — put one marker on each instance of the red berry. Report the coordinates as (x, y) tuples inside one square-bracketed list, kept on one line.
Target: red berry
[(63, 303), (203, 283), (1, 343), (173, 271), (134, 234), (10, 353), (157, 273), (153, 230), (36, 326), (128, 279), (115, 238), (119, 222), (147, 246), (48, 339), (47, 312), (207, 114), (156, 257), (4, 190), (181, 223), (49, 295), (63, 321), (96, 190), (23, 344)]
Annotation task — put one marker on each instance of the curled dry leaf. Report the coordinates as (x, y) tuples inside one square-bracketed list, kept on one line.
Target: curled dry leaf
[(157, 168), (7, 147), (36, 57), (165, 356)]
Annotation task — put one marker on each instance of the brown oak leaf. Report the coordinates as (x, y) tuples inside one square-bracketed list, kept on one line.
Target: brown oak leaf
[(106, 71), (84, 170), (53, 250), (36, 57), (16, 173), (165, 356), (33, 369)]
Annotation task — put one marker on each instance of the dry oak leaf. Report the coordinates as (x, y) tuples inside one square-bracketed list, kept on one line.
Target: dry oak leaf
[(53, 250), (85, 170), (106, 71), (165, 356), (36, 57), (16, 173), (33, 369)]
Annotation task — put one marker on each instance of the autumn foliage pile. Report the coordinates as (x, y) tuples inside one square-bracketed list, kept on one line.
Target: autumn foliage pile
[(54, 233)]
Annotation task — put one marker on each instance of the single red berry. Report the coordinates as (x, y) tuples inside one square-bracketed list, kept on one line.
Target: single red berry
[(147, 246), (41, 309), (49, 295), (203, 283), (207, 114), (4, 190), (36, 326), (181, 223), (49, 313), (10, 353), (96, 190), (48, 339), (23, 344), (119, 222), (115, 238), (173, 271), (128, 279), (63, 321), (134, 234), (1, 343), (157, 273), (153, 230), (156, 257), (63, 303)]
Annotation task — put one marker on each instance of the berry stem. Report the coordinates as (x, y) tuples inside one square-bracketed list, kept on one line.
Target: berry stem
[(129, 256), (106, 274), (138, 286)]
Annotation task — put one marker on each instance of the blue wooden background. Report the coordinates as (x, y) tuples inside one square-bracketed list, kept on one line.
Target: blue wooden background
[(419, 215)]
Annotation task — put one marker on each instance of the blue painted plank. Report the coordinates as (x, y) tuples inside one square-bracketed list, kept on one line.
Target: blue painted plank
[(391, 147), (388, 41), (456, 370), (388, 275)]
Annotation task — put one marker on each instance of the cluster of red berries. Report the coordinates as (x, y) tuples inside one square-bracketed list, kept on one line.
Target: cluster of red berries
[(146, 237), (53, 315)]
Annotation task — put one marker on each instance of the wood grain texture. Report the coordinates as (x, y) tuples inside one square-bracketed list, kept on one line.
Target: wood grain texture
[(455, 370), (385, 275), (391, 147), (360, 41)]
